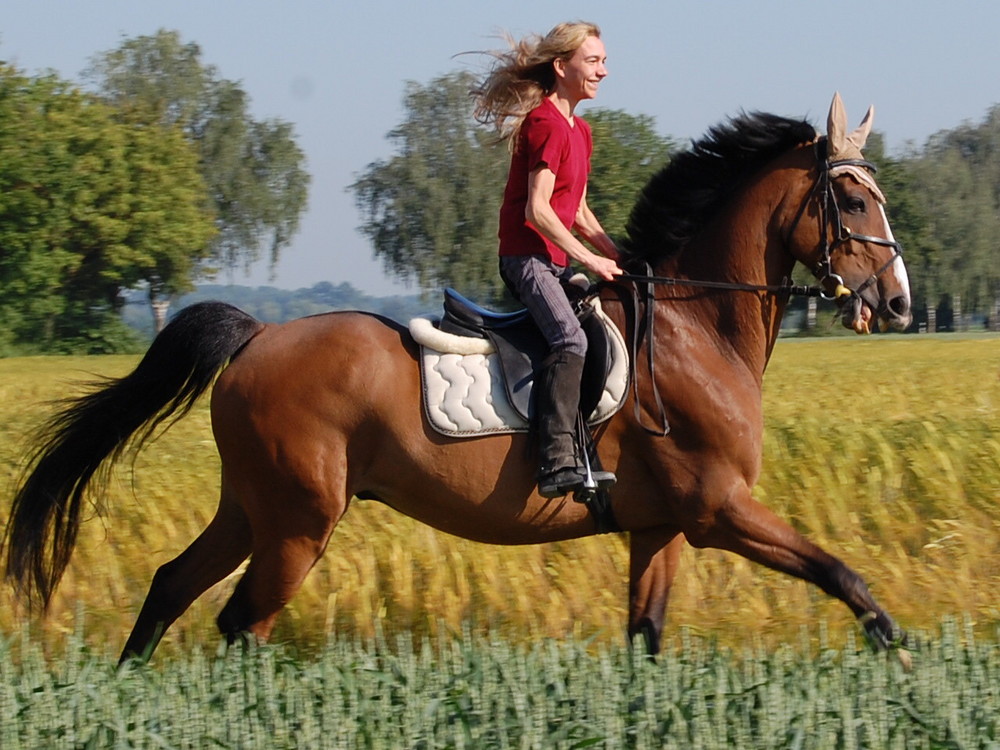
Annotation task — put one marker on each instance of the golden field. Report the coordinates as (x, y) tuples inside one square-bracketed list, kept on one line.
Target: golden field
[(883, 450)]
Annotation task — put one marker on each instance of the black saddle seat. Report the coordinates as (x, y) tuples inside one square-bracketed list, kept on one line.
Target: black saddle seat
[(463, 317)]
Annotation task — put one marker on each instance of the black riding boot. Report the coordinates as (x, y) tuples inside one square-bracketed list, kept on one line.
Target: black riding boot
[(558, 403)]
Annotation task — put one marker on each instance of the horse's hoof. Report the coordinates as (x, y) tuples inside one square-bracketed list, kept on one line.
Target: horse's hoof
[(905, 657), (883, 634)]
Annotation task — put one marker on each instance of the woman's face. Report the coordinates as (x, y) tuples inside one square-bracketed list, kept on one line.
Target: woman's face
[(579, 77)]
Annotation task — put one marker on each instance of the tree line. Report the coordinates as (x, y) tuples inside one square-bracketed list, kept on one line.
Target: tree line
[(154, 176), (430, 209), (273, 305)]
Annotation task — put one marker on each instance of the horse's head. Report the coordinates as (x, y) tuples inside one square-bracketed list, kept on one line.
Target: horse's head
[(851, 249)]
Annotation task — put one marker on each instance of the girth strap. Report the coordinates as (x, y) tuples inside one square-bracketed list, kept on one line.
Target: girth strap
[(648, 321)]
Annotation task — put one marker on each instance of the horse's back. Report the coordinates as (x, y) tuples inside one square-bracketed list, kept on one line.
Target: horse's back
[(323, 346), (347, 331)]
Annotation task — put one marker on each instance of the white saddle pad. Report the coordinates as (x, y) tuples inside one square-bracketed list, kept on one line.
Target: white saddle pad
[(463, 389)]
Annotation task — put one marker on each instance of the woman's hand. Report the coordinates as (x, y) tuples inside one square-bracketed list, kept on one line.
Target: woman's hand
[(605, 268)]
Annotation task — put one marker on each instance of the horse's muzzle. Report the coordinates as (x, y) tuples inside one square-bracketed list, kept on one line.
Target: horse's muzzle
[(859, 313)]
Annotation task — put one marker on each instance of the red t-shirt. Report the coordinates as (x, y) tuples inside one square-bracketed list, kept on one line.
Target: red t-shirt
[(548, 139)]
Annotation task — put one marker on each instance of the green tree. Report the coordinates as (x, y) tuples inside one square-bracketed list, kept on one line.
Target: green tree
[(89, 205), (944, 204), (959, 199), (253, 169), (907, 213), (627, 152), (431, 209), (978, 148)]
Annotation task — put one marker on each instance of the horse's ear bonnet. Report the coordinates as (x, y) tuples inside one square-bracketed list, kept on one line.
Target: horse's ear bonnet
[(841, 145)]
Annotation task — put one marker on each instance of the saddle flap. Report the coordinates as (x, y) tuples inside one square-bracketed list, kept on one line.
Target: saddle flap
[(597, 365), (521, 350)]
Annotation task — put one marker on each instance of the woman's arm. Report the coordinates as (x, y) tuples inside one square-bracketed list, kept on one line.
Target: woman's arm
[(588, 225), (539, 213)]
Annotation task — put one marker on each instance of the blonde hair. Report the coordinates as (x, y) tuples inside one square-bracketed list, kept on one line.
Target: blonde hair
[(523, 75)]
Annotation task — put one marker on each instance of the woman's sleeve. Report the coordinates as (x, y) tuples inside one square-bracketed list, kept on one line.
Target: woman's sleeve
[(544, 145)]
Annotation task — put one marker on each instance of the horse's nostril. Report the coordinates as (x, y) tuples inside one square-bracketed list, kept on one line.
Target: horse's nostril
[(899, 306)]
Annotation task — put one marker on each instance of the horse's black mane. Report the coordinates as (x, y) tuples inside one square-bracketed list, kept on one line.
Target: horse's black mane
[(681, 197)]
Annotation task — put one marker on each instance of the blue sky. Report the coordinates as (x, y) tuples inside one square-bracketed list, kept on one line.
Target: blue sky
[(336, 70)]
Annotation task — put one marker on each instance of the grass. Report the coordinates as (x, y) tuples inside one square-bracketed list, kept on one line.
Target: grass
[(471, 690), (883, 450)]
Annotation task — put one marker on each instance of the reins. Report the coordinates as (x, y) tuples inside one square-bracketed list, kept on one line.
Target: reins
[(648, 281), (823, 271), (784, 288)]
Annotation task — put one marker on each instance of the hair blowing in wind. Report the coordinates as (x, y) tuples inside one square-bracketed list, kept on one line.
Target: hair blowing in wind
[(522, 75)]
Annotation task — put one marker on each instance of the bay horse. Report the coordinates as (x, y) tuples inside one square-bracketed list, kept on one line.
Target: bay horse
[(313, 413)]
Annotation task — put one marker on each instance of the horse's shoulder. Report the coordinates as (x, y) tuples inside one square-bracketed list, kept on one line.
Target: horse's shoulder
[(713, 399)]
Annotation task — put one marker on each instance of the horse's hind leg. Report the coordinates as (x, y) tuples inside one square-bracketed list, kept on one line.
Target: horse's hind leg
[(283, 553), (654, 556), (216, 553)]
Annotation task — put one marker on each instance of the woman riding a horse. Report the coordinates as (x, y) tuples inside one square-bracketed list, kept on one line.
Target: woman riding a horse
[(531, 95), (313, 414)]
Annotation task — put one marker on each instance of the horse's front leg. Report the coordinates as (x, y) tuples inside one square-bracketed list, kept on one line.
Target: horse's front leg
[(654, 558), (741, 524)]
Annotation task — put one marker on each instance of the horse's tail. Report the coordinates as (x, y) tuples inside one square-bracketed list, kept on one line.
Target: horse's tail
[(94, 430)]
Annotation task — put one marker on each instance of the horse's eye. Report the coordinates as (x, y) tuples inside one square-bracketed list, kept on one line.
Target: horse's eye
[(856, 205)]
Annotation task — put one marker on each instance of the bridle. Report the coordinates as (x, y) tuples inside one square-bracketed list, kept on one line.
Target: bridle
[(830, 219), (831, 285)]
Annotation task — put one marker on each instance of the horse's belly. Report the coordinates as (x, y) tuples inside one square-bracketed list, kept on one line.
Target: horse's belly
[(337, 413), (531, 523), (481, 489)]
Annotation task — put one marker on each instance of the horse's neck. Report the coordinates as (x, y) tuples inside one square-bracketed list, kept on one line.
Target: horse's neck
[(742, 250)]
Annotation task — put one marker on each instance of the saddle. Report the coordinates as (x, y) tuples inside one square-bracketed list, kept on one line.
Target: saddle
[(522, 349), (483, 364)]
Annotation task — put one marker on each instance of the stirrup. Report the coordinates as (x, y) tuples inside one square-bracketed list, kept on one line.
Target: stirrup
[(601, 482), (595, 480), (580, 482)]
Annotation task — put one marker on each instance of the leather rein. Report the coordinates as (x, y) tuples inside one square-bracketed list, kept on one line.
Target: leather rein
[(829, 218)]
